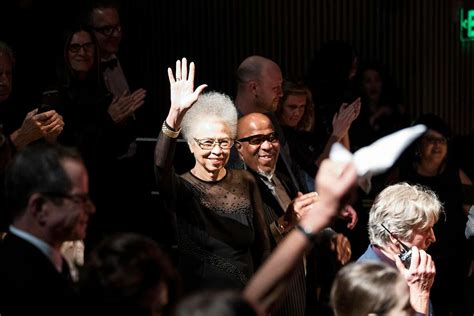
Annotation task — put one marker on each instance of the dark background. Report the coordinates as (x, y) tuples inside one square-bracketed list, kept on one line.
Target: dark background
[(418, 41)]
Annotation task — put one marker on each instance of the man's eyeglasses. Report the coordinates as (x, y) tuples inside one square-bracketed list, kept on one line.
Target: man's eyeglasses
[(108, 30), (78, 198), (209, 143), (75, 48), (435, 140), (260, 138)]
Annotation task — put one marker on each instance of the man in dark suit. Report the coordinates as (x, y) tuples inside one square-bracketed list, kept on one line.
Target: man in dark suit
[(259, 147), (103, 17), (47, 196)]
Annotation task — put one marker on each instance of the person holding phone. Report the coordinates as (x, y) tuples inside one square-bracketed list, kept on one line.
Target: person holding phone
[(404, 213), (36, 124)]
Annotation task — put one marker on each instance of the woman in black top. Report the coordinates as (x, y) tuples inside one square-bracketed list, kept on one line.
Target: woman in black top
[(221, 234)]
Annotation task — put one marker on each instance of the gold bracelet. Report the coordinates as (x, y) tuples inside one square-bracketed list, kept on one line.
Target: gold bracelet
[(169, 132)]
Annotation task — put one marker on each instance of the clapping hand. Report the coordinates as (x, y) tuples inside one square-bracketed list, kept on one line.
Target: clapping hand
[(343, 119), (299, 206), (124, 106), (350, 215)]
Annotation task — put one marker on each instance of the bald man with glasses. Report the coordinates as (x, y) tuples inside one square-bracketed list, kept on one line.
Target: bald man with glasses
[(258, 146)]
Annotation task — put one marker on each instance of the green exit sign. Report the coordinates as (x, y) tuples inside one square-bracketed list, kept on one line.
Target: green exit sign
[(467, 25)]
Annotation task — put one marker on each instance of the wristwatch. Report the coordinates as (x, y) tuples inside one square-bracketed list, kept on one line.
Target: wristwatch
[(308, 234)]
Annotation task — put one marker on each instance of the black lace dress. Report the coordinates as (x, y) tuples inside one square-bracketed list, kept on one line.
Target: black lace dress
[(221, 235)]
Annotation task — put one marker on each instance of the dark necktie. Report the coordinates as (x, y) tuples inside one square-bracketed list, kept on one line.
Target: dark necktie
[(111, 63)]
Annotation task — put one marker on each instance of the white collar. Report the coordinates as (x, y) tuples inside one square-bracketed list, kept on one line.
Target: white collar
[(47, 250)]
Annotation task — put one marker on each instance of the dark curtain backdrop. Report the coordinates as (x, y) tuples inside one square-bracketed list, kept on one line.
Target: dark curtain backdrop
[(418, 41)]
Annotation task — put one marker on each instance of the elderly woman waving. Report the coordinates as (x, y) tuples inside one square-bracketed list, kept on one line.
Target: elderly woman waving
[(221, 237)]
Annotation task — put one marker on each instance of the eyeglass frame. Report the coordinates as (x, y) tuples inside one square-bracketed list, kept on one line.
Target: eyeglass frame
[(77, 198), (214, 142), (265, 137), (90, 47), (433, 140), (108, 28)]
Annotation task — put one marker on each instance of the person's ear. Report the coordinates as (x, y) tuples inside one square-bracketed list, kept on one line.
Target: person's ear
[(253, 87), (394, 241), (37, 208), (238, 146)]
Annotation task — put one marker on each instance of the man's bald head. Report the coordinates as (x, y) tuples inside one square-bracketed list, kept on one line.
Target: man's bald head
[(252, 68), (258, 143), (252, 122), (260, 81)]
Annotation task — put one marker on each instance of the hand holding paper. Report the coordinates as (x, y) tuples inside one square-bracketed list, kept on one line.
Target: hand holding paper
[(379, 156)]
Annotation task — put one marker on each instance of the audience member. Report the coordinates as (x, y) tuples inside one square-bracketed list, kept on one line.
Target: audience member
[(403, 217), (17, 129), (105, 21), (370, 288), (430, 166), (330, 78), (47, 195), (259, 147), (22, 130), (259, 89), (221, 234), (295, 114), (259, 85), (470, 224), (333, 181), (96, 123), (382, 112), (128, 274), (215, 303)]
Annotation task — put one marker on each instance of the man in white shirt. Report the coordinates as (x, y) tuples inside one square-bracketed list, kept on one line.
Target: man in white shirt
[(105, 22)]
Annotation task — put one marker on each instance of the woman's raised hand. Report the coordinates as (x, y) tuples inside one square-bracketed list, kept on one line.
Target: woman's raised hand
[(183, 94)]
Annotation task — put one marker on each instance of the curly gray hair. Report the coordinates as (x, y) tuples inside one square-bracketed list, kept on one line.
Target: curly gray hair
[(210, 106), (402, 208)]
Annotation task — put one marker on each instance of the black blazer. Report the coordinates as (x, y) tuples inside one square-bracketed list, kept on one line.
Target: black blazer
[(30, 284)]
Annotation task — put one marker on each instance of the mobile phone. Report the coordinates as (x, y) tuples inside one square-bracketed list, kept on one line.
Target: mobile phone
[(405, 251), (49, 101), (44, 108)]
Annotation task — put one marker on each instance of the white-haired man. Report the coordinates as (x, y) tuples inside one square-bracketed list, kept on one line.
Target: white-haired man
[(402, 216)]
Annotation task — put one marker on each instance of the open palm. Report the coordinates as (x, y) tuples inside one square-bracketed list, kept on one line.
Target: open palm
[(183, 94)]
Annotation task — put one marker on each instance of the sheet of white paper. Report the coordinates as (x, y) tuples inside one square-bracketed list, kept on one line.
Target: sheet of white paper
[(379, 156)]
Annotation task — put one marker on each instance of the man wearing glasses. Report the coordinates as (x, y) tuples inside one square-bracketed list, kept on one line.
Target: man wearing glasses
[(259, 146), (47, 197), (105, 21)]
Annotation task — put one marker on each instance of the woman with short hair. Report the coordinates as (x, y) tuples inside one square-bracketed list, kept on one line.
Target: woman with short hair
[(221, 235)]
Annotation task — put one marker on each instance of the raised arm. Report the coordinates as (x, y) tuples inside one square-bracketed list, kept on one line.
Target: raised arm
[(183, 96), (341, 124), (333, 181)]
